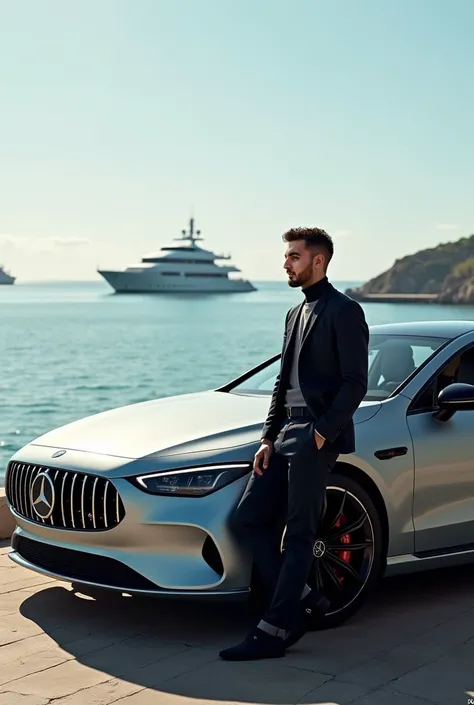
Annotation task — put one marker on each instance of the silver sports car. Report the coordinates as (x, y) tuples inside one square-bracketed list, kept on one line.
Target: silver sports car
[(137, 499)]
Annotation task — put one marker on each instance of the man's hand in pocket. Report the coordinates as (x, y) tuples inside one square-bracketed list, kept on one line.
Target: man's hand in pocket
[(319, 440)]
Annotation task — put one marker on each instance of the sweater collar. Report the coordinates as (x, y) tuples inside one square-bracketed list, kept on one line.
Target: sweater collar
[(315, 291)]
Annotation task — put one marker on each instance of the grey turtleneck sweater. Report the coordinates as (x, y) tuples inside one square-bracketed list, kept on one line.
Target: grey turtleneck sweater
[(294, 396)]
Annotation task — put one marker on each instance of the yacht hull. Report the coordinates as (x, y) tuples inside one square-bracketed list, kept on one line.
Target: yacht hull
[(156, 283), (6, 279)]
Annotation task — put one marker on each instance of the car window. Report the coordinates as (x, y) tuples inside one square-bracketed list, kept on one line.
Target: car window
[(372, 356), (421, 353), (394, 358), (459, 368), (262, 382), (391, 360)]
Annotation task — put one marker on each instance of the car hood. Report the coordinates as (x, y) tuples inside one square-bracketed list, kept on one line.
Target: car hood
[(181, 424)]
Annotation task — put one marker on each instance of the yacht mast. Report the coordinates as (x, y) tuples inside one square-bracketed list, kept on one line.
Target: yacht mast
[(192, 237)]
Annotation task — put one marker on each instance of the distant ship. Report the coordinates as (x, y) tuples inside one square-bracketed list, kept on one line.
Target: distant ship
[(5, 277), (180, 268)]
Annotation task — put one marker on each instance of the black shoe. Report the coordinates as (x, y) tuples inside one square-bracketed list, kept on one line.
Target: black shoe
[(257, 645), (312, 606)]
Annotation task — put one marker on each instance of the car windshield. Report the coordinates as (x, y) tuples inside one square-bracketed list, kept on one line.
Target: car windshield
[(392, 359)]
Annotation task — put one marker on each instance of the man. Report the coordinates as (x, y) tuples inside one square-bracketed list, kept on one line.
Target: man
[(322, 380)]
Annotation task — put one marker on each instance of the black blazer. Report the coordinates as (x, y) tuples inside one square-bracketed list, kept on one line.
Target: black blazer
[(332, 368)]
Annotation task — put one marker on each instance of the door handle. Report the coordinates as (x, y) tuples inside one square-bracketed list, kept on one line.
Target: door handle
[(388, 453)]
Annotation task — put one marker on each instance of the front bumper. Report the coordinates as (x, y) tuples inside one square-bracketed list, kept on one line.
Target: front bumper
[(51, 565), (162, 545)]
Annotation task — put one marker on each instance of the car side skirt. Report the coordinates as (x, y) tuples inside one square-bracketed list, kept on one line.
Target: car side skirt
[(429, 560)]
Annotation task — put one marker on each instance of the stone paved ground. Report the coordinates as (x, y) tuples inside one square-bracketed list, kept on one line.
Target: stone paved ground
[(413, 644)]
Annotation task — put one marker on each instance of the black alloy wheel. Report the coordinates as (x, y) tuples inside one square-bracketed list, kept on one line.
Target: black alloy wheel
[(349, 551)]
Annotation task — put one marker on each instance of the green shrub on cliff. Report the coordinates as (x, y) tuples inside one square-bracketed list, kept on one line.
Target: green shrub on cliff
[(464, 269), (458, 287), (426, 271)]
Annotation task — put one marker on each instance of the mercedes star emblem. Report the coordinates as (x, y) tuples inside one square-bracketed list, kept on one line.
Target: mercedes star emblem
[(42, 495), (319, 549)]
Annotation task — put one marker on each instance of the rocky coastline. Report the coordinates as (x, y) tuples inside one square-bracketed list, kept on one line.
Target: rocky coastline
[(442, 274)]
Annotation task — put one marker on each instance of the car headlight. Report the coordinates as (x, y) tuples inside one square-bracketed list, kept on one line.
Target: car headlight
[(192, 482)]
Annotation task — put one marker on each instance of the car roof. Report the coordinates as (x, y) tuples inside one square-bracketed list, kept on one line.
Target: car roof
[(434, 329)]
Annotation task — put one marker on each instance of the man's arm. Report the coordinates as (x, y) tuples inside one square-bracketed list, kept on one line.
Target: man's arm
[(352, 342), (272, 424)]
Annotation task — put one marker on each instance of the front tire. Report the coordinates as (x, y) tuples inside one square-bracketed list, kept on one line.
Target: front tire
[(350, 550)]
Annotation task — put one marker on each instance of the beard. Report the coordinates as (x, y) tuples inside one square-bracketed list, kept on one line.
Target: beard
[(302, 278)]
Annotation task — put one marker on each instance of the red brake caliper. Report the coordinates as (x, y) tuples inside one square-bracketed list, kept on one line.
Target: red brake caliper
[(345, 538)]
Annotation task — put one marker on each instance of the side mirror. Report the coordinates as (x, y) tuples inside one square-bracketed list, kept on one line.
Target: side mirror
[(455, 397)]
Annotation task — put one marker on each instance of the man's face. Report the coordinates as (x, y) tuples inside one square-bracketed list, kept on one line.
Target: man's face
[(302, 266)]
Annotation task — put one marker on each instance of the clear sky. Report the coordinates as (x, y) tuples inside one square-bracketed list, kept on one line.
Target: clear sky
[(119, 116)]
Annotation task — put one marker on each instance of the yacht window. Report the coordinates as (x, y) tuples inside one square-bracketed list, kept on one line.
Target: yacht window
[(205, 274)]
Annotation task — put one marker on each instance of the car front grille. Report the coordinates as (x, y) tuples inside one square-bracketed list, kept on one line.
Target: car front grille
[(62, 498)]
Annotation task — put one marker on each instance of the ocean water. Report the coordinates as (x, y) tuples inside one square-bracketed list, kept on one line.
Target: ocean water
[(69, 350)]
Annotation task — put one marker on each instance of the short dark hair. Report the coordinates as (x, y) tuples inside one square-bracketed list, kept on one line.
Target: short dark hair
[(312, 236)]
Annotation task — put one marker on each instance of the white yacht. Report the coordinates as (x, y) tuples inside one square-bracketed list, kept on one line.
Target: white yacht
[(5, 277), (179, 268)]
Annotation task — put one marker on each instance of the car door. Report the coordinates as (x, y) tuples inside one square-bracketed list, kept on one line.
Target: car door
[(443, 507)]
